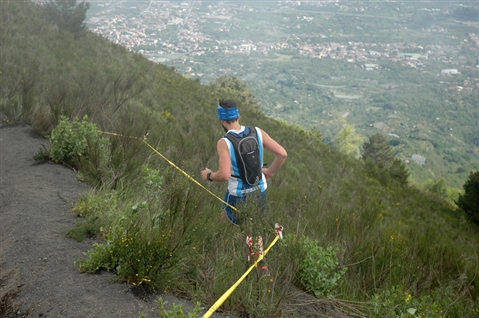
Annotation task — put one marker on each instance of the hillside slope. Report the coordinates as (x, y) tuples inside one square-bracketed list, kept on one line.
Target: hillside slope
[(38, 277), (385, 240)]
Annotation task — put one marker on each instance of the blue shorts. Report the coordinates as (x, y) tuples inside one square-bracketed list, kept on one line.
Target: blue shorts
[(237, 201)]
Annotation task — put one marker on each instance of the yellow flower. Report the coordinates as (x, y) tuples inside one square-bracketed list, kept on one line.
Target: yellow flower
[(408, 298)]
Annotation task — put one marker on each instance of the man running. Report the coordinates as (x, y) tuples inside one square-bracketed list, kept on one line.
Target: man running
[(238, 189)]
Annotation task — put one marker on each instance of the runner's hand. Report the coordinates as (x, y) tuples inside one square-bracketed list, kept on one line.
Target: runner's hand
[(204, 174)]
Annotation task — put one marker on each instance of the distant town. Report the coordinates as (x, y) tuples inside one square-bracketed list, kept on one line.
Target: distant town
[(141, 27)]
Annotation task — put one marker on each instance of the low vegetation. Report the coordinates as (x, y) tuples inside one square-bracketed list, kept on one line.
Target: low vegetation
[(354, 231)]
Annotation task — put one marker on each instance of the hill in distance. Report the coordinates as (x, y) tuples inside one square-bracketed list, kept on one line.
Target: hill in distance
[(407, 70)]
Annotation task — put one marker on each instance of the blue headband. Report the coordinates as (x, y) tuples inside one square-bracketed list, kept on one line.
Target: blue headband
[(228, 113)]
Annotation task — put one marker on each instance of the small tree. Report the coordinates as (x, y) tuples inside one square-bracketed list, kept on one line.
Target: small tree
[(348, 142), (233, 86), (378, 150), (381, 162), (399, 172), (68, 15), (469, 201)]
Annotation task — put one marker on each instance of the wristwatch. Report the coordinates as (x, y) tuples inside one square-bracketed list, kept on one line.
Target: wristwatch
[(208, 176)]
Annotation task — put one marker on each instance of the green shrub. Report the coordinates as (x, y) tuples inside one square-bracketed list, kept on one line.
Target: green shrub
[(147, 238), (469, 201), (84, 228), (319, 272), (443, 302), (135, 248), (70, 140), (176, 311)]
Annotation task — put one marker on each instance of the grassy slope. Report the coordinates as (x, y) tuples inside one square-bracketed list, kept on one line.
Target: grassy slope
[(387, 235)]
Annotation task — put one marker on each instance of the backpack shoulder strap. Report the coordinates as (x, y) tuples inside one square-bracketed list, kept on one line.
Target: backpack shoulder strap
[(253, 131)]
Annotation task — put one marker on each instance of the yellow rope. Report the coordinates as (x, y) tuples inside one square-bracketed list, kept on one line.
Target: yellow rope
[(171, 163), (228, 293)]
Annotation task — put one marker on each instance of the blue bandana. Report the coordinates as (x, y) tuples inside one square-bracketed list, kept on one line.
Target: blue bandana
[(228, 113)]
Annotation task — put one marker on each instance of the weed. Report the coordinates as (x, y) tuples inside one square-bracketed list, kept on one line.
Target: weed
[(85, 228), (176, 311), (442, 302), (42, 155)]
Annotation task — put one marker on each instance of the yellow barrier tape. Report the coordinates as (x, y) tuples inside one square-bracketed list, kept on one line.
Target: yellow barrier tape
[(228, 293), (171, 163)]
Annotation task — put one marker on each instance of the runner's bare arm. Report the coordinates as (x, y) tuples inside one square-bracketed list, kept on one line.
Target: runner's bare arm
[(279, 152), (224, 170)]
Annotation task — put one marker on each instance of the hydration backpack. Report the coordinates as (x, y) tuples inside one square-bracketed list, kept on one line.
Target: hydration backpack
[(248, 156)]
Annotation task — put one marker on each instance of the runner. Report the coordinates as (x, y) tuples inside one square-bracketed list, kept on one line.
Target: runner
[(230, 162)]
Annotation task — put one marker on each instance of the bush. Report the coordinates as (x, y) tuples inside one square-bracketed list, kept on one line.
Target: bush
[(319, 272), (70, 141), (469, 201), (443, 302), (176, 311), (135, 248), (150, 230)]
